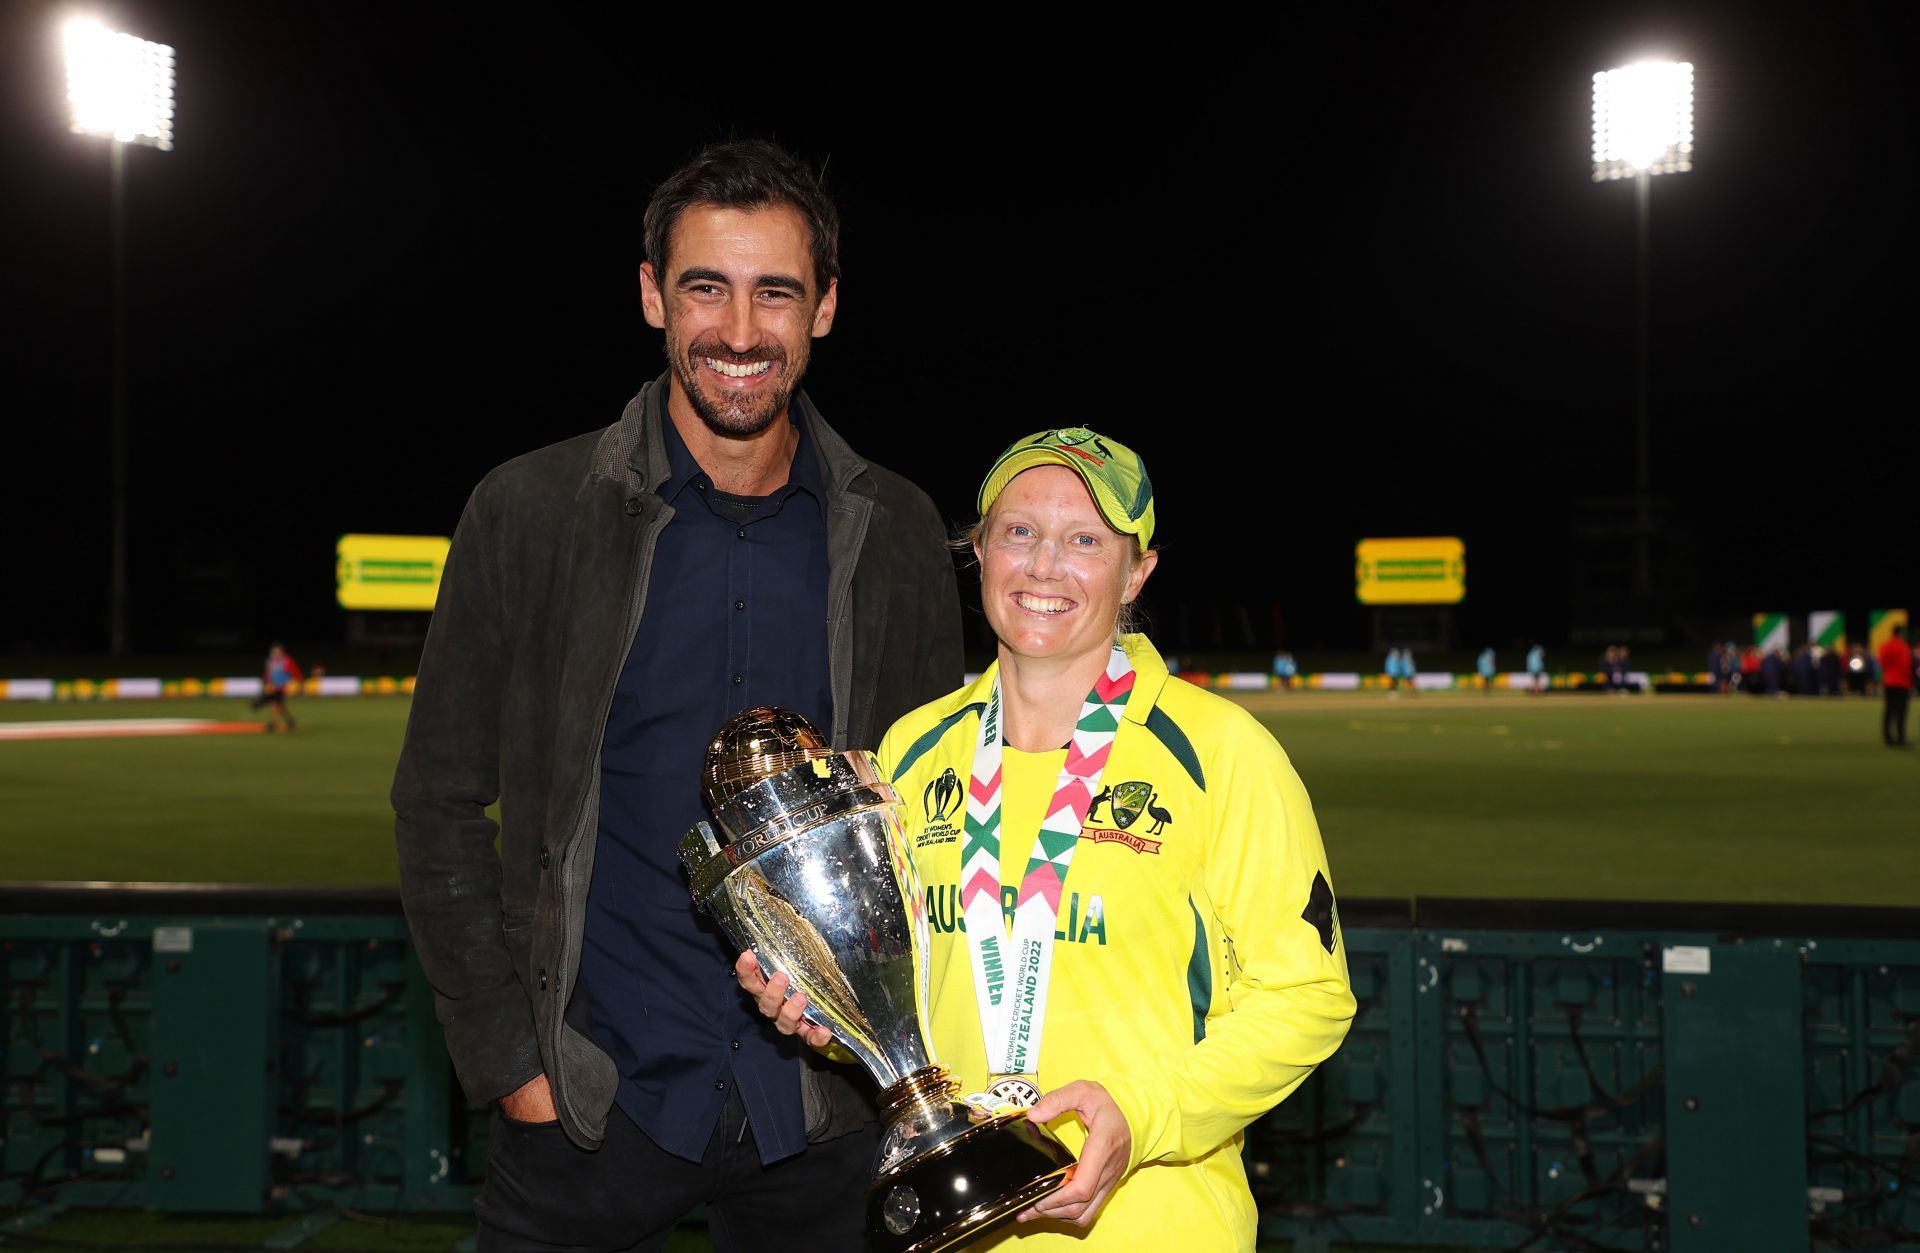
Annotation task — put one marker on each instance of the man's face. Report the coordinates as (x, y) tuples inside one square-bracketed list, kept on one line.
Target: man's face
[(740, 311)]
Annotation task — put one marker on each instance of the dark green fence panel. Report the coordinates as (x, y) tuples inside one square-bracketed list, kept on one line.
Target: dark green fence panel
[(1861, 1005), (1540, 1062), (74, 1021), (1692, 1077), (201, 1049), (1541, 1075), (367, 1094), (1735, 1115), (1343, 1146), (211, 1049)]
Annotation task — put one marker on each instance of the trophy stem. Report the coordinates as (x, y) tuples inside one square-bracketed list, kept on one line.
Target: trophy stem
[(929, 1090)]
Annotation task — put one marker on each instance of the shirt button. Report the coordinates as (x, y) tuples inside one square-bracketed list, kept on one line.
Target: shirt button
[(546, 859), (736, 1044), (739, 604), (543, 978), (720, 1086), (737, 680), (741, 533), (633, 506)]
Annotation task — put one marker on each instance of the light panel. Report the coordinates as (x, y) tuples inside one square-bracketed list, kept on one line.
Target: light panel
[(1643, 120), (119, 86)]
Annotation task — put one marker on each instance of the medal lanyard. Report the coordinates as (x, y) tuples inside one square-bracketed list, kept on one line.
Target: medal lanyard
[(1011, 973)]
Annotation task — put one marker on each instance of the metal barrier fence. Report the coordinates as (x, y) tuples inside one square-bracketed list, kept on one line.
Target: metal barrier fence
[(1539, 1075)]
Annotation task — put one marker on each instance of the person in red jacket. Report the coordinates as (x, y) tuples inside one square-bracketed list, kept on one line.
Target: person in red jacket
[(1896, 685)]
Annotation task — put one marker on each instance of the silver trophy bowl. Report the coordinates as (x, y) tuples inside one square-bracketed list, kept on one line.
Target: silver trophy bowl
[(805, 863)]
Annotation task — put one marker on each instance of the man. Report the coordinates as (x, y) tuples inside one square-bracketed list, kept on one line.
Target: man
[(608, 602), (1806, 681), (277, 674), (1485, 664), (1896, 686), (1537, 668), (1285, 669)]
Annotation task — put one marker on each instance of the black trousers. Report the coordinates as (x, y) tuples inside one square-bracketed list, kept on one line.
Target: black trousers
[(543, 1195), (1893, 723)]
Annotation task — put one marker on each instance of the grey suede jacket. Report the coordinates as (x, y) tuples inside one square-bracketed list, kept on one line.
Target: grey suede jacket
[(538, 605)]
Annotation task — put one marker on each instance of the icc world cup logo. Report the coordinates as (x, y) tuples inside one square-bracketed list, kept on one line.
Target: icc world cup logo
[(942, 796)]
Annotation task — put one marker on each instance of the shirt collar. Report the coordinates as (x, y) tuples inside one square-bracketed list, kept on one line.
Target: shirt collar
[(682, 469)]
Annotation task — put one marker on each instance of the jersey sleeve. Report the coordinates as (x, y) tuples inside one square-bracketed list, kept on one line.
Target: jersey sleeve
[(1274, 925)]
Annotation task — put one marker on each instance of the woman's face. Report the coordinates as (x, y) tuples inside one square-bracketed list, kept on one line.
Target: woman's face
[(1053, 574)]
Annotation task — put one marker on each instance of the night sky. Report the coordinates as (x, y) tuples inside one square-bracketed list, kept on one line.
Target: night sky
[(1335, 275)]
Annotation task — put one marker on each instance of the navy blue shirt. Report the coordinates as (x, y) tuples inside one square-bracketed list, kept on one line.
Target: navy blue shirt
[(735, 616)]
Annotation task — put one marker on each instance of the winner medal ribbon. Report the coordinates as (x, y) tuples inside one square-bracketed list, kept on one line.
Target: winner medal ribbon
[(1011, 973)]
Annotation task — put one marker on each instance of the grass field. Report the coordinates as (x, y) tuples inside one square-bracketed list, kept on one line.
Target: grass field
[(1442, 794)]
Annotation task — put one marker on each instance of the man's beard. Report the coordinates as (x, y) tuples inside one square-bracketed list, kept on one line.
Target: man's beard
[(731, 414)]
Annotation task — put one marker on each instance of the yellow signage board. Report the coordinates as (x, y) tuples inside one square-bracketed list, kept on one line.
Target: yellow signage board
[(390, 571), (1428, 570)]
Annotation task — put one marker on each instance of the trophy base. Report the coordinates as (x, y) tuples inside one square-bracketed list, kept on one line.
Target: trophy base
[(955, 1192)]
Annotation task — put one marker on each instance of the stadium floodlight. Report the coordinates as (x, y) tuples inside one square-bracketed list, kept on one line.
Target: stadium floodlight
[(1643, 120), (1642, 126), (119, 86)]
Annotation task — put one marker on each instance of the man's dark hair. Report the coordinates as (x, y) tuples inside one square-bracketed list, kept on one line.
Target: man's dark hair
[(746, 174)]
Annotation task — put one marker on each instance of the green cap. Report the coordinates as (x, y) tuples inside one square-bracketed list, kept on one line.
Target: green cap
[(1112, 472)]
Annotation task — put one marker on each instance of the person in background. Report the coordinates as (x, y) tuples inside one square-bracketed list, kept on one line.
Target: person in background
[(1537, 669), (1830, 669), (1773, 667), (1859, 669), (278, 675), (1485, 667), (1896, 687), (1806, 681), (1392, 668), (1408, 672), (1285, 669), (1717, 668), (609, 602), (1217, 978)]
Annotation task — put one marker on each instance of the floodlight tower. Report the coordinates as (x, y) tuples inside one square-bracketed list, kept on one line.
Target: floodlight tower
[(1642, 126), (120, 87)]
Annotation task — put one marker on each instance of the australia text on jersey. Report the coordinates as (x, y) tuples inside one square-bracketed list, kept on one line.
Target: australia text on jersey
[(1079, 923)]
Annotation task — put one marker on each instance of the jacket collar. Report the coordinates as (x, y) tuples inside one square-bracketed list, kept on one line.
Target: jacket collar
[(638, 443)]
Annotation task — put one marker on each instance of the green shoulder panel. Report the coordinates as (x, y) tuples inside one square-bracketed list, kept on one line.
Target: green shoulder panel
[(920, 747), (1168, 732)]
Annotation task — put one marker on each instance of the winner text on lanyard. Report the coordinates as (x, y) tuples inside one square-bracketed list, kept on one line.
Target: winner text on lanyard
[(1011, 973)]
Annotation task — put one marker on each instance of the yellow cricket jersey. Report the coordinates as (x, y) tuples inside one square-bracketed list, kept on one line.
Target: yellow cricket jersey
[(1198, 971)]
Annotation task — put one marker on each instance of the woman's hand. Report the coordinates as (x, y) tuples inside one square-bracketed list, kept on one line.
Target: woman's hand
[(771, 997), (1103, 1158)]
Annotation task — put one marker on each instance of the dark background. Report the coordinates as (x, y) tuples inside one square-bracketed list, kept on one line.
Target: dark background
[(1334, 273)]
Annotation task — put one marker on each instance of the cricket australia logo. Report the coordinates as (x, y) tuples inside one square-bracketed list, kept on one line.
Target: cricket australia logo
[(1073, 437), (1125, 803)]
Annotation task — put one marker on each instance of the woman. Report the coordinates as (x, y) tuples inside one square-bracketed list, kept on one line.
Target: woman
[(1140, 848)]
